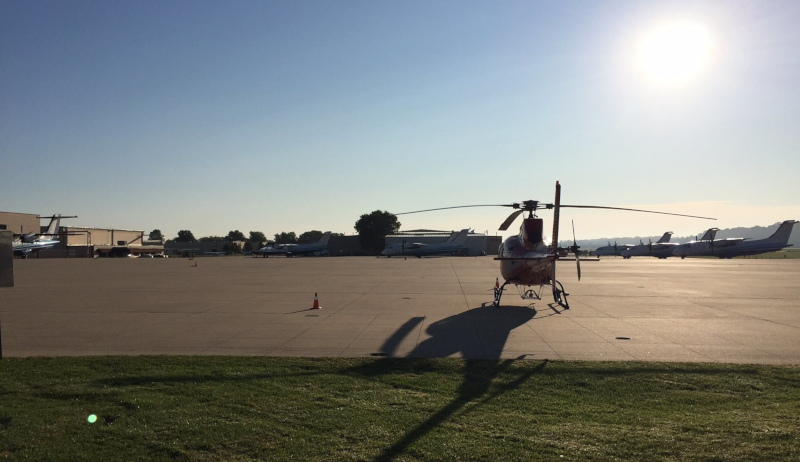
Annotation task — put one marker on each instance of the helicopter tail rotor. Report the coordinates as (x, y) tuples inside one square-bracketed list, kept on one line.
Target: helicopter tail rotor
[(575, 248)]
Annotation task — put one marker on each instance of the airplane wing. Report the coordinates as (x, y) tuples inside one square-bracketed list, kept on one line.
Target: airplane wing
[(665, 246), (543, 257), (727, 242)]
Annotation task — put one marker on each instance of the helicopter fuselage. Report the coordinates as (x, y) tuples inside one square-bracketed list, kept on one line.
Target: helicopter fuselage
[(520, 266), (525, 258)]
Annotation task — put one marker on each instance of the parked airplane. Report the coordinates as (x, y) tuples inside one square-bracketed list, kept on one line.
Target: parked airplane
[(456, 244), (710, 234), (25, 244), (277, 249), (661, 249), (290, 250), (736, 247), (611, 250)]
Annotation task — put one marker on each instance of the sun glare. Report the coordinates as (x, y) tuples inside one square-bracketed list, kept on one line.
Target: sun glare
[(674, 54)]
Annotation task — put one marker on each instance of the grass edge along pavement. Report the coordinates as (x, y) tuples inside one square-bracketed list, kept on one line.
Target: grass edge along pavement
[(265, 408)]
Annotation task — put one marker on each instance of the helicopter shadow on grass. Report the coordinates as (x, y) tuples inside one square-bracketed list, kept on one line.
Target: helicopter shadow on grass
[(479, 336)]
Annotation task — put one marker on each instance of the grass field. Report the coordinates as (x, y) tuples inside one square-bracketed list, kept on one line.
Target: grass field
[(233, 408)]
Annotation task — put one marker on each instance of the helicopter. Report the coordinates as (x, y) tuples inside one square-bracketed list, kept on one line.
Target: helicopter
[(525, 260)]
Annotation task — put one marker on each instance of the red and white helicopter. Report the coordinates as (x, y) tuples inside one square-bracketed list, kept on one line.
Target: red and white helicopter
[(525, 260)]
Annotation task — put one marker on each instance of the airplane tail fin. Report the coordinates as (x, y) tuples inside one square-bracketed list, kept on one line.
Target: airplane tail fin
[(450, 238), (665, 238), (460, 238), (325, 238), (55, 222), (710, 234), (784, 231)]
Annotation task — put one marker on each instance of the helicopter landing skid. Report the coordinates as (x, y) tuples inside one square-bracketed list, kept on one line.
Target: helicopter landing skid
[(560, 295)]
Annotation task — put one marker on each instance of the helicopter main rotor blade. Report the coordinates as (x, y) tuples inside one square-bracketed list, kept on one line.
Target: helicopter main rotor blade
[(510, 220), (457, 207), (633, 210)]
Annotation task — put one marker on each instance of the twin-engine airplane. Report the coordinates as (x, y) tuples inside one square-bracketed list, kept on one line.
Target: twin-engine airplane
[(456, 244), (737, 247), (290, 250), (26, 244), (661, 249), (611, 250), (525, 260)]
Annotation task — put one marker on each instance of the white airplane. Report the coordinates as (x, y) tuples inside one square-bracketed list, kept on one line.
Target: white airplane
[(708, 236), (661, 249), (736, 247), (611, 250), (25, 244), (456, 244), (290, 250)]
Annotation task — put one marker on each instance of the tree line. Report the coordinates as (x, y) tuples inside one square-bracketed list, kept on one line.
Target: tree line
[(371, 228)]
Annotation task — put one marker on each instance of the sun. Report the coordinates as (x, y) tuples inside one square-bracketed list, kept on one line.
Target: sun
[(674, 54)]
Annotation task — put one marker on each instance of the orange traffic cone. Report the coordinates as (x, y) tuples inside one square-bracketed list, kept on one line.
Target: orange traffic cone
[(316, 302)]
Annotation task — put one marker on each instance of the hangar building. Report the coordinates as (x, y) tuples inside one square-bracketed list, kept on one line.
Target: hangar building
[(77, 241), (107, 242), (20, 223), (477, 243)]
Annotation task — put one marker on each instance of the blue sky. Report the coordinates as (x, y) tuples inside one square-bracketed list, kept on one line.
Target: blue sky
[(291, 116)]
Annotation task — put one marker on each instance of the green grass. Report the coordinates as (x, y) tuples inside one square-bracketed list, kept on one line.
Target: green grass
[(233, 408)]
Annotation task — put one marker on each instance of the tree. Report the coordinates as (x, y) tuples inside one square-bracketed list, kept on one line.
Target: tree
[(286, 238), (309, 237), (248, 246), (235, 236), (211, 239), (185, 235), (155, 235), (374, 227), (257, 237), (231, 247)]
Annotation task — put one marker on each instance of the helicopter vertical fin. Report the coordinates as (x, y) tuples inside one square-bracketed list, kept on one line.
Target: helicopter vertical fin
[(556, 209)]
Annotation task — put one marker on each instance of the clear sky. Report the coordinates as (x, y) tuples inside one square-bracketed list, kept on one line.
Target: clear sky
[(297, 115)]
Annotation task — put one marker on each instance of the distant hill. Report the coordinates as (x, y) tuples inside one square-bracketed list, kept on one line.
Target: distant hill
[(755, 232)]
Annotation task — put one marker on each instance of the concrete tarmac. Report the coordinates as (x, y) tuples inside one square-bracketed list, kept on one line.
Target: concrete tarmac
[(733, 311)]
